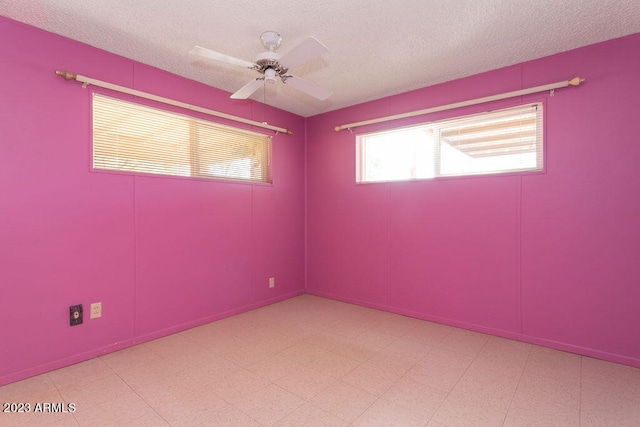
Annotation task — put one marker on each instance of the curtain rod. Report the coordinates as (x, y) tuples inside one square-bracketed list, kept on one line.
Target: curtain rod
[(573, 82), (89, 81)]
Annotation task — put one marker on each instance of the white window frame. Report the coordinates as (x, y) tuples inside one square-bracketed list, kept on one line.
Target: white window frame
[(508, 140), (130, 137)]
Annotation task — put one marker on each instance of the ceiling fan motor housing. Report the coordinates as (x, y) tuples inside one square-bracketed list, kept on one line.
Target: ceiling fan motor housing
[(266, 61)]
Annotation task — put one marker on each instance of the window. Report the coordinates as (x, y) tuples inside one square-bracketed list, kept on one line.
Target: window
[(508, 140), (134, 138)]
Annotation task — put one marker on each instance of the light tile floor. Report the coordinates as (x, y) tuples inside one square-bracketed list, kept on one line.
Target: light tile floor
[(310, 361)]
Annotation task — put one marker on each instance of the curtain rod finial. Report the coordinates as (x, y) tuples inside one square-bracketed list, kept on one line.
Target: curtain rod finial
[(576, 81), (66, 75)]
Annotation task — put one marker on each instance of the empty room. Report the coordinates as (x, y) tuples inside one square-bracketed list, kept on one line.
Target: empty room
[(319, 213)]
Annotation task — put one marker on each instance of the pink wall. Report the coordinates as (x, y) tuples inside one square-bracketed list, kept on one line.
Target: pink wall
[(161, 254), (550, 258)]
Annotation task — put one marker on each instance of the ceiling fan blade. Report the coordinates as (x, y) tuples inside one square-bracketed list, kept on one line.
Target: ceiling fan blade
[(308, 49), (308, 88), (217, 56), (247, 90)]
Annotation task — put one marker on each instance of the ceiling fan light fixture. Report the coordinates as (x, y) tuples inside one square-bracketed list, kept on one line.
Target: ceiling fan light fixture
[(271, 40), (270, 75)]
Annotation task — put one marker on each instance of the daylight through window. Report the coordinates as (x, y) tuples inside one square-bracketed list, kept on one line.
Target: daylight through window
[(133, 138), (508, 140)]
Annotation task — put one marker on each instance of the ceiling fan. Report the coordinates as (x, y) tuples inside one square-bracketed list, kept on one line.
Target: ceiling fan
[(273, 65)]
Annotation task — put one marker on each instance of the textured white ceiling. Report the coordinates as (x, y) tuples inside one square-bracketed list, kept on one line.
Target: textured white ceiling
[(376, 48)]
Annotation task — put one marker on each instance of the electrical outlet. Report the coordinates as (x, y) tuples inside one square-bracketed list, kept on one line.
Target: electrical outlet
[(96, 310), (75, 315), (272, 282)]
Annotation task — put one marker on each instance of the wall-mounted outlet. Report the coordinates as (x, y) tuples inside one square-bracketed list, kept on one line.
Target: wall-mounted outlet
[(96, 310), (75, 315), (272, 282)]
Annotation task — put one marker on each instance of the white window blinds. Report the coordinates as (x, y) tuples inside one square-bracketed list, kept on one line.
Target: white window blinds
[(134, 138)]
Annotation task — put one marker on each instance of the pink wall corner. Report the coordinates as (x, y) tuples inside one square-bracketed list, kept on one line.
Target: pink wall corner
[(160, 253), (278, 217)]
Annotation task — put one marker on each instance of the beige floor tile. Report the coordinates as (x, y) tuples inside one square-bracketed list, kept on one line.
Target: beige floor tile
[(203, 409), (302, 352), (124, 409), (127, 358), (395, 324), (148, 420), (28, 394), (333, 365), (247, 355), (408, 349), (394, 362), (421, 399), (615, 401), (349, 328), (325, 341), (464, 342), (305, 382), (544, 401), (440, 369), (66, 422), (503, 356), (386, 413), (40, 388), (212, 368), (139, 375), (173, 347), (428, 333), (81, 373), (98, 392), (374, 340), (344, 401), (309, 415), (355, 351), (556, 364), (614, 414), (270, 404), (486, 389), (601, 373), (372, 377), (272, 341), (214, 339), (459, 412), (171, 389), (235, 387), (274, 367), (39, 419), (298, 330)]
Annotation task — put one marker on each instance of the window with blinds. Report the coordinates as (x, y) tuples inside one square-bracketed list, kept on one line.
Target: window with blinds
[(128, 137), (508, 140)]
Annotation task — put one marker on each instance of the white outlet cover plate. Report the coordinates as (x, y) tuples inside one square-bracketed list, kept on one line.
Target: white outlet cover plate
[(96, 310)]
